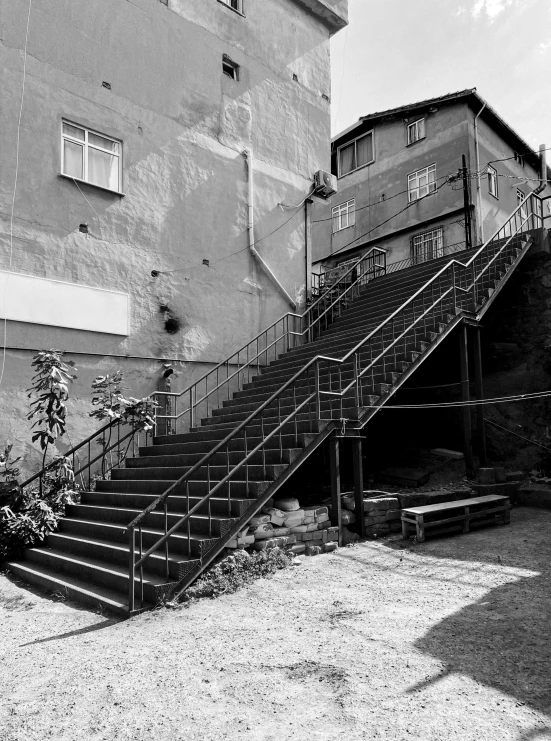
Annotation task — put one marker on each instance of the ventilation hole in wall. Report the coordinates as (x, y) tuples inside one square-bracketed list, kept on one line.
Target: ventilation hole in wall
[(83, 228), (163, 308), (106, 85), (295, 78), (229, 67), (172, 324), (325, 97), (206, 262)]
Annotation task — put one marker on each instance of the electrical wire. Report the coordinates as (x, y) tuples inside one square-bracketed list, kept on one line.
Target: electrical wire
[(527, 439), (18, 138), (365, 234), (243, 249), (519, 154), (298, 205), (471, 403)]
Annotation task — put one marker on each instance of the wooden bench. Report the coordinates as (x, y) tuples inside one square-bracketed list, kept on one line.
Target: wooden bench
[(464, 511)]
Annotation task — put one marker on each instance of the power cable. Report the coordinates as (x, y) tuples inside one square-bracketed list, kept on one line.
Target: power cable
[(527, 439), (10, 262)]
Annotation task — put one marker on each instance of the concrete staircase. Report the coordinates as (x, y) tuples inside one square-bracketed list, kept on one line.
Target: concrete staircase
[(88, 557)]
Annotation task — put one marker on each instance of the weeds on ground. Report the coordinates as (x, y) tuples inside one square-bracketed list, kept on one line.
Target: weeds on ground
[(236, 571)]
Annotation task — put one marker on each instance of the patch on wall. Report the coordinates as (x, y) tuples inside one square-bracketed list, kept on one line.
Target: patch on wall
[(55, 303)]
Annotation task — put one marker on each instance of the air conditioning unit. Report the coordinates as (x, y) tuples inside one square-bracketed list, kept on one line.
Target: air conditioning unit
[(325, 184)]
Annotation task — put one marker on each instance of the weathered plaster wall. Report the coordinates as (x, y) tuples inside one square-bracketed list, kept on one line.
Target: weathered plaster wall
[(184, 126)]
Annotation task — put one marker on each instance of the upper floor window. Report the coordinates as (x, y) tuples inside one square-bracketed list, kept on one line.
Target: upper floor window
[(229, 67), (91, 157), (344, 215), (233, 4), (427, 245), (421, 183), (416, 131), (356, 154), (492, 181)]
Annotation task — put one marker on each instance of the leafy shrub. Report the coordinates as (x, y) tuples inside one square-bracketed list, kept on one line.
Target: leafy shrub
[(236, 571), (28, 517)]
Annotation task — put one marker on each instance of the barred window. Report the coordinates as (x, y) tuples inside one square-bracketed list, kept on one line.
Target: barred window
[(421, 183), (344, 215), (427, 245)]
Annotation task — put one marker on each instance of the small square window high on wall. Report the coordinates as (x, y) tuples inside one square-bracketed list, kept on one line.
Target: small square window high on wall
[(416, 131), (91, 157), (233, 4), (421, 183), (492, 181), (344, 215), (356, 154)]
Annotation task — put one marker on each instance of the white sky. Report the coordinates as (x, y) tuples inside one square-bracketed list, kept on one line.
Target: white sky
[(396, 52)]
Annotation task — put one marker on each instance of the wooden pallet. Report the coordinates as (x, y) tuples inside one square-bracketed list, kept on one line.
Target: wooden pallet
[(465, 512)]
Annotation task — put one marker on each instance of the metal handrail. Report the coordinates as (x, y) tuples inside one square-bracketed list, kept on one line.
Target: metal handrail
[(309, 322), (449, 288)]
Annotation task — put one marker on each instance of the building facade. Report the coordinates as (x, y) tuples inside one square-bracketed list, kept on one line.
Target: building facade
[(394, 185), (131, 132)]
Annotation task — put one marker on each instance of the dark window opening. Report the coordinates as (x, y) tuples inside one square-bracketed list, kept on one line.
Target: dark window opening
[(230, 68)]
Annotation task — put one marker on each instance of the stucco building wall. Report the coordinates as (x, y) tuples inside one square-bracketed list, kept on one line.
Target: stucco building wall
[(184, 126), (383, 216)]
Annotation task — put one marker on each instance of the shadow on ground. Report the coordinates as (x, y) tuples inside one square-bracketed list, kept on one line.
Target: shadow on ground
[(504, 639)]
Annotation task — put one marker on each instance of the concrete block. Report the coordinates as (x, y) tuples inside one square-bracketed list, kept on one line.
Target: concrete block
[(297, 548), (500, 474), (307, 537), (508, 489), (393, 515), (317, 536), (515, 476), (333, 529), (380, 529), (381, 504), (324, 536), (328, 547), (395, 527), (445, 453), (317, 510), (332, 537), (486, 476), (379, 520), (411, 500)]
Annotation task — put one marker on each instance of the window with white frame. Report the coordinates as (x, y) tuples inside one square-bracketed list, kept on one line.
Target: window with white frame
[(356, 154), (91, 157), (416, 131), (520, 200), (344, 215), (233, 4), (427, 245), (421, 183), (492, 181)]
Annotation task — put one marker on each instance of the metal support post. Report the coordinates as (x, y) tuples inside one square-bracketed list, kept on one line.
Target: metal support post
[(465, 396), (358, 485), (336, 519), (480, 396)]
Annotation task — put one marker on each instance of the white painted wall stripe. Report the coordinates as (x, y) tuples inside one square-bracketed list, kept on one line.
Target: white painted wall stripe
[(58, 304)]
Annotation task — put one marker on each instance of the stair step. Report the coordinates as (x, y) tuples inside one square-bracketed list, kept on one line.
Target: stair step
[(238, 489), (94, 595), (218, 506)]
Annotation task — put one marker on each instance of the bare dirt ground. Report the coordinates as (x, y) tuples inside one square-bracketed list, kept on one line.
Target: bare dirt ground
[(382, 640)]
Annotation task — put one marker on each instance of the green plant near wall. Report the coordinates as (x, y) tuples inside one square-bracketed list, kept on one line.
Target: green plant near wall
[(50, 387)]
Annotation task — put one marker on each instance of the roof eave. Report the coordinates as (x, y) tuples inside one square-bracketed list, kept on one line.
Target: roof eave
[(332, 13)]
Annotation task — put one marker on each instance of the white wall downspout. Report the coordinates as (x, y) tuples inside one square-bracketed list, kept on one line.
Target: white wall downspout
[(480, 220), (247, 154)]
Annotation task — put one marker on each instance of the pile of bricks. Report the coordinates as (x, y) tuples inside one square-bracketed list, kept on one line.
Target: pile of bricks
[(382, 514), (284, 524)]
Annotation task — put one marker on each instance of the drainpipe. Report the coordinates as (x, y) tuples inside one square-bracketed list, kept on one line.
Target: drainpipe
[(543, 172), (247, 154), (478, 187)]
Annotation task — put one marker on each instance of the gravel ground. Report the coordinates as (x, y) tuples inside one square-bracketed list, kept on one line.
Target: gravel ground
[(382, 640)]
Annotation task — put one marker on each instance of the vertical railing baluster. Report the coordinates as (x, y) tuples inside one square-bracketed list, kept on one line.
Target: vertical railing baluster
[(166, 541), (246, 464), (296, 415), (263, 446), (141, 564), (228, 473), (279, 425), (188, 521), (131, 568)]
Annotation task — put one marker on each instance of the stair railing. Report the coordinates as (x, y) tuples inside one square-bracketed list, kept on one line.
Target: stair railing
[(456, 288), (291, 330), (95, 456)]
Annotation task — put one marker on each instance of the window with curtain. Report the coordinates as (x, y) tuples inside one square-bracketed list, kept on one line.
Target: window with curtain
[(91, 157), (234, 4), (416, 131), (344, 215), (356, 154), (421, 183)]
